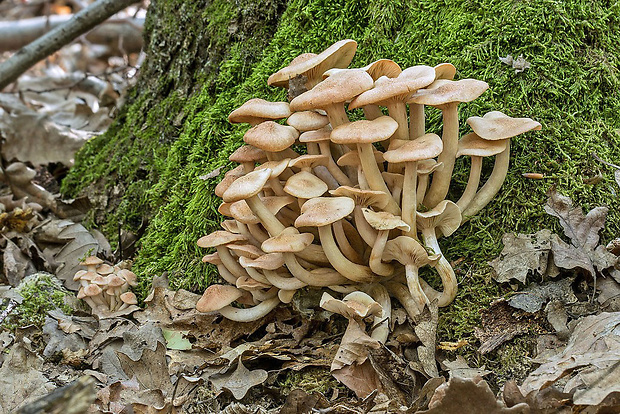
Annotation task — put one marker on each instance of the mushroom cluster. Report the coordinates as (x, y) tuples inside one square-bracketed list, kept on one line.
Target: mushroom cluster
[(104, 287), (319, 200)]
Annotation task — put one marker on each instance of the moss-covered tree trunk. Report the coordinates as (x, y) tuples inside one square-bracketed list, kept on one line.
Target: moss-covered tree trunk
[(207, 57)]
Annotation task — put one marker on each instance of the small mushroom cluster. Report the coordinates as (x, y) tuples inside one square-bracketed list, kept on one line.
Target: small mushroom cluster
[(319, 200), (105, 288)]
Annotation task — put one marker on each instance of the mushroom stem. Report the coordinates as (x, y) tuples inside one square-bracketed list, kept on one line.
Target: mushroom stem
[(230, 262), (410, 197), (343, 243), (344, 266), (375, 262), (381, 327), (284, 283), (422, 186), (250, 314), (226, 275), (416, 120), (472, 183), (372, 112), (400, 292), (373, 175), (257, 233), (336, 114), (323, 278), (413, 283), (369, 235), (398, 111), (243, 230), (332, 167), (448, 278), (269, 221), (450, 137), (258, 276), (493, 184)]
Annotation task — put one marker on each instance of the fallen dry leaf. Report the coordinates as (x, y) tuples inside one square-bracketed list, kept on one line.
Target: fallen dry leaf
[(460, 368), (80, 244), (239, 381), (533, 298)]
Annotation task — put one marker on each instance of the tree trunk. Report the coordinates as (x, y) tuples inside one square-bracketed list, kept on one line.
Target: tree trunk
[(205, 58)]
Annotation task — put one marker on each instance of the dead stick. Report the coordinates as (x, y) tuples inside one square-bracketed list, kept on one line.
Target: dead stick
[(55, 39)]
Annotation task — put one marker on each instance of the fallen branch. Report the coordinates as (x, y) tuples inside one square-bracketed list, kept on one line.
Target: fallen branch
[(49, 43), (17, 34)]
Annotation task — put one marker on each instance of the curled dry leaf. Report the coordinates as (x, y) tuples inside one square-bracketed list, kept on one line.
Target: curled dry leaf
[(239, 381)]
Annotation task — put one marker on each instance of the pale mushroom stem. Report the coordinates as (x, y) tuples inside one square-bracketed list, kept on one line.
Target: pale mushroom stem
[(226, 275), (269, 221), (332, 167), (400, 292), (373, 175), (94, 306), (257, 232), (256, 275), (416, 121), (422, 186), (413, 283), (372, 112), (250, 314), (230, 262), (381, 328), (450, 137), (312, 279), (493, 184), (398, 112), (336, 114), (472, 183), (343, 243), (375, 262), (448, 278), (284, 283), (369, 235), (410, 197), (243, 230), (344, 266)]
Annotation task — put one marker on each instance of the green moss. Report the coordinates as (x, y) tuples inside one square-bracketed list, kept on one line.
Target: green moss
[(41, 293), (312, 379), (571, 88)]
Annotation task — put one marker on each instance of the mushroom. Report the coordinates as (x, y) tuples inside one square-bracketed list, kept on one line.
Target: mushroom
[(321, 137), (19, 177), (128, 299), (446, 95), (247, 156), (273, 138), (229, 178), (493, 126), (307, 121), (258, 110), (383, 222), (219, 239)]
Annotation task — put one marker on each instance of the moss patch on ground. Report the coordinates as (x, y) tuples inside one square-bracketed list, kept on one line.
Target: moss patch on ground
[(174, 130)]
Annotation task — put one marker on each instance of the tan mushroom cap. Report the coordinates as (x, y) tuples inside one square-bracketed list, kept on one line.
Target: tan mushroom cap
[(340, 87), (422, 148), (383, 220), (241, 211), (338, 55), (216, 297), (376, 69), (276, 167), (78, 275), (230, 225), (305, 185), (257, 110), (364, 198), (322, 211), (247, 283), (399, 88), (445, 71), (497, 125), (228, 179), (271, 136), (365, 131), (408, 251), (289, 241), (116, 281), (319, 135), (105, 269), (80, 294), (354, 305), (92, 260), (100, 280), (307, 121), (269, 261), (471, 144), (429, 166), (219, 238), (309, 161), (352, 158), (246, 250), (129, 298), (247, 153), (213, 258), (224, 209), (444, 91), (445, 217), (92, 290), (247, 186)]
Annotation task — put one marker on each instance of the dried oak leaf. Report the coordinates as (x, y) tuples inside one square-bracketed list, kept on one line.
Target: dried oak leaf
[(583, 252), (534, 297), (524, 253), (594, 345), (239, 381), (469, 396), (459, 368)]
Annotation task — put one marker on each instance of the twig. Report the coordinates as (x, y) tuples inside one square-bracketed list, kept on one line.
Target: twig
[(49, 43), (596, 157)]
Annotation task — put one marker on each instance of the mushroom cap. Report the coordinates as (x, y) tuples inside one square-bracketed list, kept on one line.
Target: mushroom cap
[(497, 125), (246, 250), (20, 173), (230, 225), (89, 276), (78, 275), (105, 269), (305, 185), (376, 69), (80, 294), (445, 217), (241, 211), (100, 280), (365, 131), (322, 211), (224, 209), (247, 283), (309, 161), (338, 88), (129, 276), (92, 260), (352, 158), (445, 71), (307, 120), (92, 290), (257, 110), (129, 298), (364, 198), (271, 136), (338, 55), (383, 220), (408, 251), (276, 167), (429, 166), (213, 258), (396, 89), (228, 179), (289, 241), (269, 261), (116, 281), (247, 186), (219, 238), (471, 144), (318, 135), (355, 305), (422, 148), (247, 153), (444, 91), (216, 297), (393, 179)]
